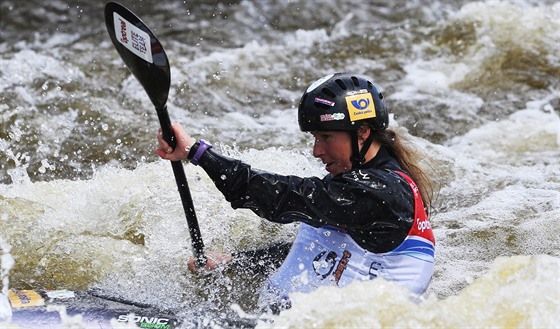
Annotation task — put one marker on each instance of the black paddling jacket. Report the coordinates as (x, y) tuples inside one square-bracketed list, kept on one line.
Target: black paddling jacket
[(373, 203)]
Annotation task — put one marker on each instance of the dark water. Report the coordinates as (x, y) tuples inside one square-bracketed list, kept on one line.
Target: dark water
[(73, 119)]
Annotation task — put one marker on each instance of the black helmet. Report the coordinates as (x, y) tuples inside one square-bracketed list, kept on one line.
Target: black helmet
[(342, 102)]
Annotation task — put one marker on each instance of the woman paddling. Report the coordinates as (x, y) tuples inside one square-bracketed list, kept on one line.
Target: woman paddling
[(366, 218)]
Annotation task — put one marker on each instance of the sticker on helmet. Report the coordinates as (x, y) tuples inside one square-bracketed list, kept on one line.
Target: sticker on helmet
[(319, 82), (356, 92), (332, 117), (360, 107), (134, 39), (324, 101)]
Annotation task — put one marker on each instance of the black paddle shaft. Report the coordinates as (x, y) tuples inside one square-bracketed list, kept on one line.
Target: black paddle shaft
[(183, 187), (145, 57)]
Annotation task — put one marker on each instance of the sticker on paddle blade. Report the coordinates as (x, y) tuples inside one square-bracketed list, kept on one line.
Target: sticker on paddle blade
[(360, 106), (133, 38)]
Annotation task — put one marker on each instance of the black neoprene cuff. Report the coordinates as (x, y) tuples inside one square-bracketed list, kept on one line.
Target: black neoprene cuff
[(192, 151)]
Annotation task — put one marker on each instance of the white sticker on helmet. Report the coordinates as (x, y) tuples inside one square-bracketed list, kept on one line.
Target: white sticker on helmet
[(319, 82)]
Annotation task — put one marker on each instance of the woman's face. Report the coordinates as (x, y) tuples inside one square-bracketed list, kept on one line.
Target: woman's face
[(334, 149)]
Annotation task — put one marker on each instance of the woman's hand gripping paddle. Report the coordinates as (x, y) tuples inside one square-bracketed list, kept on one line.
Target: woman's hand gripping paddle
[(144, 55)]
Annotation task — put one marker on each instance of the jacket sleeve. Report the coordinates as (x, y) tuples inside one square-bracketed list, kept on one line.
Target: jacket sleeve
[(355, 201)]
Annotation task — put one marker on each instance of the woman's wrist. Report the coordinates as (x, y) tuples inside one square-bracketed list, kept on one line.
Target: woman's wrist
[(192, 150)]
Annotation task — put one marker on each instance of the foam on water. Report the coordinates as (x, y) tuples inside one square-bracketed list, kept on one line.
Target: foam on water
[(524, 133), (517, 292), (116, 226), (27, 65), (121, 221)]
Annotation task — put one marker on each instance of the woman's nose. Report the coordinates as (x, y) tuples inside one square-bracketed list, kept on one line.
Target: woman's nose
[(317, 149)]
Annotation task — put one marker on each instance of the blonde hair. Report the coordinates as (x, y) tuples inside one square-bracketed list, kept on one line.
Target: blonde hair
[(399, 147)]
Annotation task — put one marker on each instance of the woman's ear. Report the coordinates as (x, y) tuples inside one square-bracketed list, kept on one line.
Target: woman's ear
[(363, 133)]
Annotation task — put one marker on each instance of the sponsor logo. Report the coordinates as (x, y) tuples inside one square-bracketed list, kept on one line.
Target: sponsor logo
[(360, 106), (60, 294), (424, 225), (146, 321), (341, 265), (356, 92), (124, 37), (133, 38), (332, 117), (22, 296), (359, 175), (324, 267), (374, 269), (324, 101), (25, 298), (415, 190), (138, 42)]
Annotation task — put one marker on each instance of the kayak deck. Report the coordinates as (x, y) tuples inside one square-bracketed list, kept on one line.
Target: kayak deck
[(49, 309)]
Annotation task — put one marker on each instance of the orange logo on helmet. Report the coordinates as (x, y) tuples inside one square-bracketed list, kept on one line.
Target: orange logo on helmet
[(360, 107)]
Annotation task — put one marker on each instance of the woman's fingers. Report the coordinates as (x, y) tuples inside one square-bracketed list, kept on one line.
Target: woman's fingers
[(213, 262), (184, 143)]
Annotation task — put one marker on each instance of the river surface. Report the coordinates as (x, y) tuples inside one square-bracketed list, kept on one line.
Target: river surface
[(85, 203)]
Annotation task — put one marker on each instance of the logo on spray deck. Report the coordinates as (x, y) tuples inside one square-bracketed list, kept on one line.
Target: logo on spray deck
[(25, 298), (145, 321), (324, 265)]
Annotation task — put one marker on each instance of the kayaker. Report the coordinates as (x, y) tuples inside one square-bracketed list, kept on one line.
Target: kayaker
[(366, 218)]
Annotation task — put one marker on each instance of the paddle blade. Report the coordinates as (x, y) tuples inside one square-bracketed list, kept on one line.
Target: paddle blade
[(141, 51)]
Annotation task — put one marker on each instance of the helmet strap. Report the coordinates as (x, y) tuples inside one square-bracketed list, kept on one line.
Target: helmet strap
[(359, 156)]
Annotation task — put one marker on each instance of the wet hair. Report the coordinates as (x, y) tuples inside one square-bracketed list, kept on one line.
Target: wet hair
[(399, 147)]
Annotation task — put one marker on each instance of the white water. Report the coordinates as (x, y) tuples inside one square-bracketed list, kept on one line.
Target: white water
[(500, 212)]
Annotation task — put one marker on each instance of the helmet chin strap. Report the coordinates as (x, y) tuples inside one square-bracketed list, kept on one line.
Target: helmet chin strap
[(358, 157)]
